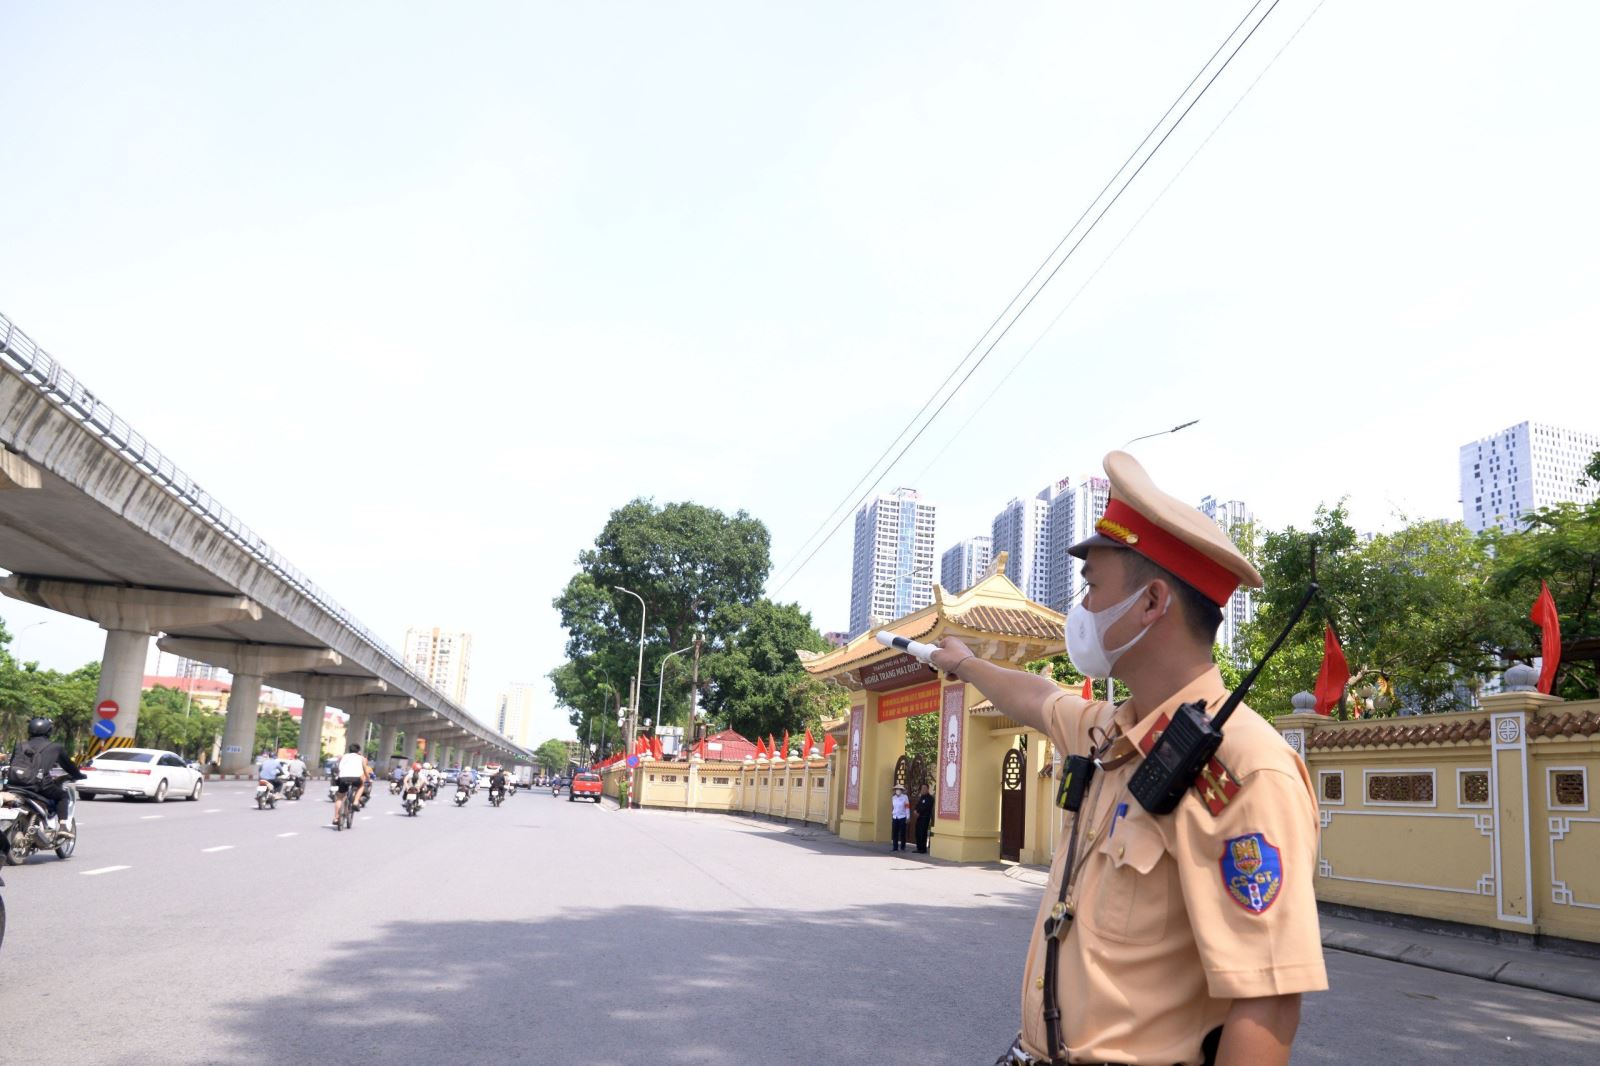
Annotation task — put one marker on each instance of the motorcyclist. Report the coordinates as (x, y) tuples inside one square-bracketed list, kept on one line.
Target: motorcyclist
[(36, 757), (413, 780), (269, 768), (295, 767), (351, 774), (430, 780), (468, 779), (497, 781)]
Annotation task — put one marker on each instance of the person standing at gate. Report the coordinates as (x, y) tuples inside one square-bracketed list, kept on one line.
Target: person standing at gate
[(1182, 934), (924, 819), (899, 814)]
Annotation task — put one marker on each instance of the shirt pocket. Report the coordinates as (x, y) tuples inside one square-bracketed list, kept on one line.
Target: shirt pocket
[(1134, 893)]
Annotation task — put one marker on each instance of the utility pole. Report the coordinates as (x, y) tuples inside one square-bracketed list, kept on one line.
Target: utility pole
[(694, 699)]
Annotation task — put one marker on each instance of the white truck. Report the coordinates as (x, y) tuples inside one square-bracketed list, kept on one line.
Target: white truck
[(524, 777)]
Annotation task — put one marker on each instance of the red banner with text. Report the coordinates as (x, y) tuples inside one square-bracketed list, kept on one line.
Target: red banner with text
[(908, 702)]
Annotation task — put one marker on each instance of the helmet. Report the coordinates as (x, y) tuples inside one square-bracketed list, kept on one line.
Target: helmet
[(427, 766), (416, 766), (40, 727)]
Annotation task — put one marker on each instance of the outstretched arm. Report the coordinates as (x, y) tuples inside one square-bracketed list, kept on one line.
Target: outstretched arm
[(1017, 694)]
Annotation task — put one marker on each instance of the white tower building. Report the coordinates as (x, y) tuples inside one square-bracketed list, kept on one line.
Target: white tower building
[(892, 572), (1022, 530), (1236, 521), (443, 658), (1507, 476), (963, 566)]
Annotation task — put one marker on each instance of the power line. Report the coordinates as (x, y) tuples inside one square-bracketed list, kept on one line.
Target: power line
[(1115, 249), (1048, 277), (850, 493)]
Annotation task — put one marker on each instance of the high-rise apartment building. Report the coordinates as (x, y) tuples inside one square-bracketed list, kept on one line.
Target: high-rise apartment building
[(443, 657), (964, 565), (1236, 521), (892, 572), (1074, 509), (1022, 531), (1507, 476), (514, 710)]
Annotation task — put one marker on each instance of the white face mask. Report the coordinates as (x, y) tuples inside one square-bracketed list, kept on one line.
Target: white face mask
[(1086, 632)]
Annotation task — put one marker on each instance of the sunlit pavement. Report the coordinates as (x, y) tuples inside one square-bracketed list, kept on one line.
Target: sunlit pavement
[(548, 931)]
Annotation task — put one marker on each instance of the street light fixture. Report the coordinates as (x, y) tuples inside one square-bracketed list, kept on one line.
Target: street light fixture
[(661, 683), (633, 714)]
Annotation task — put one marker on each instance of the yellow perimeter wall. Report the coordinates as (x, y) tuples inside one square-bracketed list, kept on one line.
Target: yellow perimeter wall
[(798, 789), (1486, 817)]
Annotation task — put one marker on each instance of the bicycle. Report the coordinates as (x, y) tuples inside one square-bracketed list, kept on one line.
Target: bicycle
[(344, 810)]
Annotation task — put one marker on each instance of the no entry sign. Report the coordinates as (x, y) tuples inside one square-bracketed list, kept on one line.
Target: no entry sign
[(106, 708)]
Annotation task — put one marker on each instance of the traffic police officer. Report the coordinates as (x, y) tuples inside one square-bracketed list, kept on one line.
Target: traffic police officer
[(1182, 938)]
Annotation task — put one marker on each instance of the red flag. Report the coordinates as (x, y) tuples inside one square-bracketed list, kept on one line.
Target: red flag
[(1088, 688), (806, 751), (1544, 612), (772, 747), (827, 745), (785, 748), (761, 748), (655, 747), (1334, 675)]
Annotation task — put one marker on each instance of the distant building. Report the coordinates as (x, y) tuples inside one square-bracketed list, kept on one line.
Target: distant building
[(1022, 531), (892, 570), (965, 564), (1074, 509), (1508, 476), (1236, 521), (514, 711), (836, 638), (443, 657), (203, 694)]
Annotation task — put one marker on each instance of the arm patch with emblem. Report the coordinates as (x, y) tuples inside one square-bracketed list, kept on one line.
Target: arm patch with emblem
[(1252, 871)]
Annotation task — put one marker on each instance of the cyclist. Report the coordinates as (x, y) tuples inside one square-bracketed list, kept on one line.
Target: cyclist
[(351, 774)]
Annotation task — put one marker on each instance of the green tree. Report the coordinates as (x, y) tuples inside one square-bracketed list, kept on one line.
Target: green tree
[(692, 565), (551, 756), (1412, 610), (1560, 546), (756, 683), (277, 729)]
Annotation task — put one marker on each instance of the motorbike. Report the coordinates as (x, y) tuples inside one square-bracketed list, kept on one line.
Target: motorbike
[(28, 824), (430, 792), (462, 795), (2, 913), (394, 788), (412, 802), (266, 796), (333, 791), (555, 790), (496, 797), (293, 788), (366, 794)]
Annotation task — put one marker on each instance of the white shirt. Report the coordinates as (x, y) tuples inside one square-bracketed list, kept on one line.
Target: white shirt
[(901, 806), (350, 764)]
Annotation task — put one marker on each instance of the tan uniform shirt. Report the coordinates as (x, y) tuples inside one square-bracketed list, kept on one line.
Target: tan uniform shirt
[(1178, 915)]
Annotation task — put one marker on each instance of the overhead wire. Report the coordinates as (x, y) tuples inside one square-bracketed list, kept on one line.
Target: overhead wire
[(1048, 277), (850, 493), (1050, 327)]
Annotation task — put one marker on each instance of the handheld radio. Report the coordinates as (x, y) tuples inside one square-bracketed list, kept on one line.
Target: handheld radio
[(1191, 739)]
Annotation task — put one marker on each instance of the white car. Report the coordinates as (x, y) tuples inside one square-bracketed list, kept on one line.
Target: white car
[(140, 773)]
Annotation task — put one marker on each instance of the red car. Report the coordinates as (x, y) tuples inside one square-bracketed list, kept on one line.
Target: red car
[(586, 785)]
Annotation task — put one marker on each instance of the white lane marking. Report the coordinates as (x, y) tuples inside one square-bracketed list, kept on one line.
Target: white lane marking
[(150, 817), (212, 810), (104, 870), (366, 817), (219, 847), (282, 835)]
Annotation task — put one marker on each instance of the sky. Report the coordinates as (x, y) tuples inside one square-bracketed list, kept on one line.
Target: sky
[(424, 291)]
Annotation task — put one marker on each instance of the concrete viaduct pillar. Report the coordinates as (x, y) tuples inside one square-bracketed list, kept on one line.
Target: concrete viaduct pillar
[(319, 690), (250, 665), (130, 616)]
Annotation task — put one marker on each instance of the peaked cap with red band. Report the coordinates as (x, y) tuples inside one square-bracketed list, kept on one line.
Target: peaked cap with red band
[(1170, 533)]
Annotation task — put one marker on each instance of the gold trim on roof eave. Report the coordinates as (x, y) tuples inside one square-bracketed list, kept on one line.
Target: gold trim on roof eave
[(995, 591)]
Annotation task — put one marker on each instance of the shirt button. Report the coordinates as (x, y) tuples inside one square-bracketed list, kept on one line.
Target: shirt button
[(1038, 983), (1122, 849)]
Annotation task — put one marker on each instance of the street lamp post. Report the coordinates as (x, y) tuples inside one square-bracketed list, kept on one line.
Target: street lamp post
[(638, 676), (661, 685)]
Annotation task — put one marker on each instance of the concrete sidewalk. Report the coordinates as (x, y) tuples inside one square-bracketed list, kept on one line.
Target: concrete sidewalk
[(1527, 967)]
